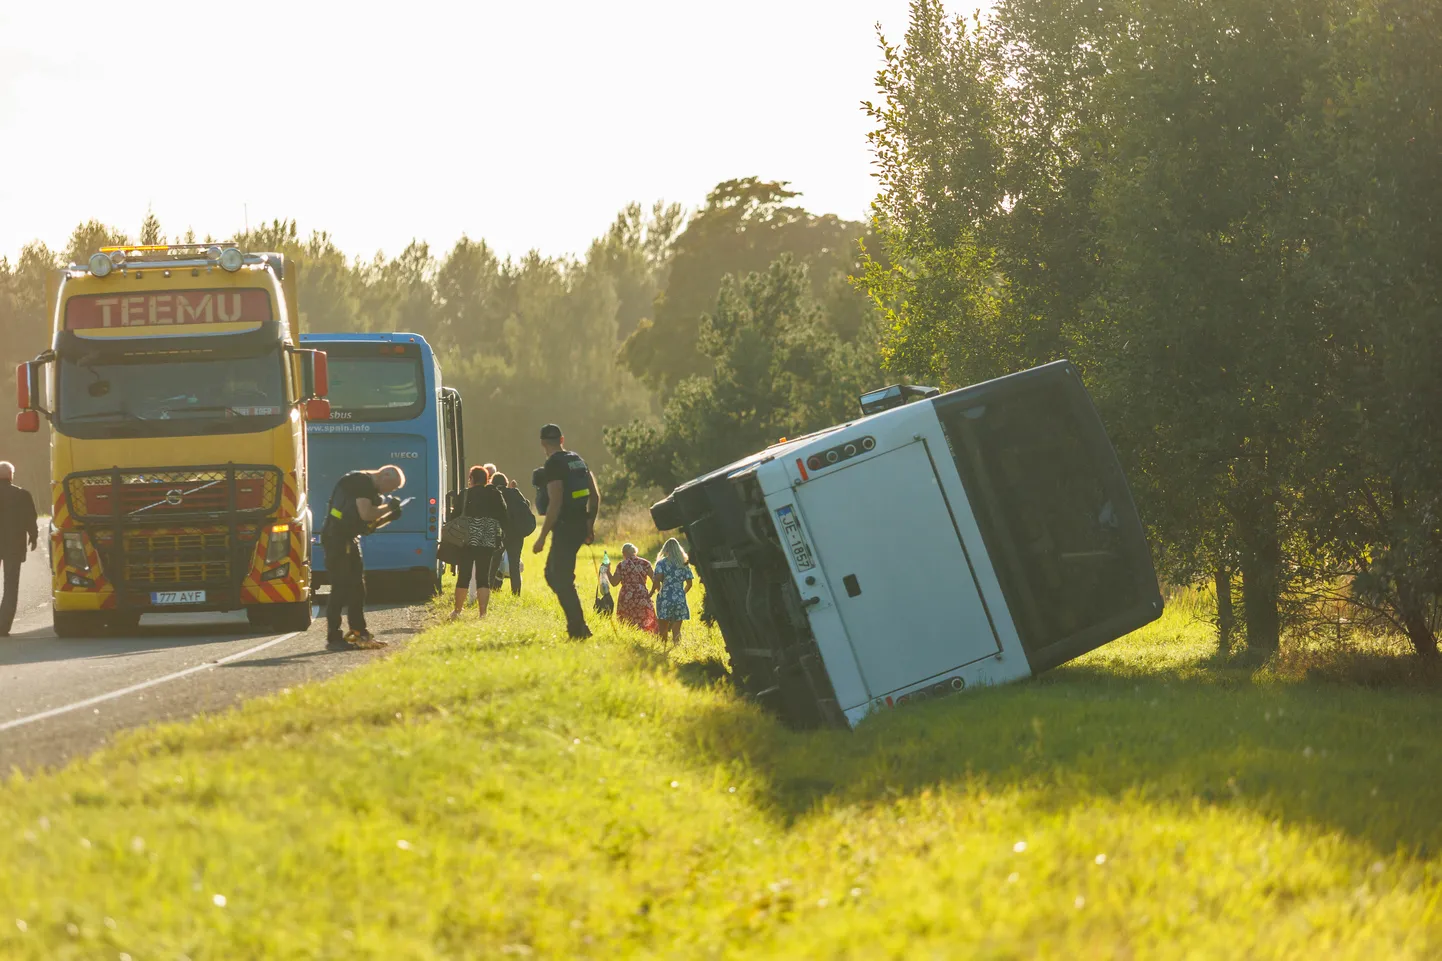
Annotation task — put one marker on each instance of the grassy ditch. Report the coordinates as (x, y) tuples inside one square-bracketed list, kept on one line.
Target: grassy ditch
[(496, 790)]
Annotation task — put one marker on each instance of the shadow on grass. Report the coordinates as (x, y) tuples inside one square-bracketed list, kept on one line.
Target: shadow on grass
[(703, 673), (1339, 757)]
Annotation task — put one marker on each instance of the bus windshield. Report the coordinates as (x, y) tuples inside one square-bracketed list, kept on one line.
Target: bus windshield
[(375, 382), (150, 395)]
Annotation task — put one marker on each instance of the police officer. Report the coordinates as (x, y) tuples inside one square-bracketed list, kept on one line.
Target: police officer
[(359, 500), (572, 501)]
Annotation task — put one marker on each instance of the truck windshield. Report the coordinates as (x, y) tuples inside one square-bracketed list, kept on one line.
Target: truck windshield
[(146, 394), (366, 385)]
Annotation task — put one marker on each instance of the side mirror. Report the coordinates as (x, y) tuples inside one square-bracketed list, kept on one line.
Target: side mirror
[(317, 408), (321, 377), (27, 421), (27, 382), (315, 374)]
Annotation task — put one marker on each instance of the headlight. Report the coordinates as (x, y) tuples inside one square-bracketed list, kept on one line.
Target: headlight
[(231, 258), (279, 545), (100, 265), (75, 552)]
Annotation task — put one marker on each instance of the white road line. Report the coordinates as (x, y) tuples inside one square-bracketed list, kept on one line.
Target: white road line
[(30, 719)]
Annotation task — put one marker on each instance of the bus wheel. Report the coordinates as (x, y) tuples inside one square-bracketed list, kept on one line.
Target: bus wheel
[(425, 585), (78, 623)]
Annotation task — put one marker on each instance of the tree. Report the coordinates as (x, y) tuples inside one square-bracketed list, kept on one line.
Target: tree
[(778, 370), (1108, 182), (744, 226), (475, 294), (552, 361), (636, 255), (1368, 217), (150, 230)]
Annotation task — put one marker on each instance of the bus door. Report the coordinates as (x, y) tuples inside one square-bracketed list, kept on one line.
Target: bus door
[(899, 573), (453, 450)]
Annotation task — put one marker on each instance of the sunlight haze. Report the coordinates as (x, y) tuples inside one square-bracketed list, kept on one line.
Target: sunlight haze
[(526, 125)]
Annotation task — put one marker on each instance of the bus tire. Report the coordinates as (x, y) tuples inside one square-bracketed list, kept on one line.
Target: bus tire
[(78, 623), (424, 586)]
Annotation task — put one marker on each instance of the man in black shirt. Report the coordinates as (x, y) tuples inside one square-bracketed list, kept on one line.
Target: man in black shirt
[(17, 527), (573, 501), (358, 501)]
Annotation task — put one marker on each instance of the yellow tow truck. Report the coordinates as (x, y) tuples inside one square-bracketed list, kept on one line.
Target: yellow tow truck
[(177, 400)]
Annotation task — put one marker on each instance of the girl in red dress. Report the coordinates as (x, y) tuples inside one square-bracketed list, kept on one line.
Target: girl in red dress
[(633, 604)]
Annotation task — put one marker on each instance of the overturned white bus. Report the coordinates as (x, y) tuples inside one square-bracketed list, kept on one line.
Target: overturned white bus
[(974, 537)]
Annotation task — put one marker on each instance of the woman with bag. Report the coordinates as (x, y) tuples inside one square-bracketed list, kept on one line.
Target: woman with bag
[(480, 526)]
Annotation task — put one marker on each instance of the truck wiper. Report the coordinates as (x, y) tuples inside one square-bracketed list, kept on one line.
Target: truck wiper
[(212, 409), (97, 414)]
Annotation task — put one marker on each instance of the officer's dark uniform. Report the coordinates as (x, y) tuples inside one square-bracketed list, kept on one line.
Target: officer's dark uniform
[(569, 534), (17, 529), (340, 536)]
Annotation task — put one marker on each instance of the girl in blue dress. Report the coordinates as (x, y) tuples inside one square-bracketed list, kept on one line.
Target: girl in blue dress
[(672, 573)]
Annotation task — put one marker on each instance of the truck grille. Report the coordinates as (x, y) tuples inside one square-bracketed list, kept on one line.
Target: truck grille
[(145, 495), (162, 557)]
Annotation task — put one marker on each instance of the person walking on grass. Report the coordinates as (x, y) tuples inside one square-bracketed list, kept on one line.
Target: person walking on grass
[(520, 524), (485, 504), (633, 603), (673, 579), (359, 499), (17, 528), (573, 500)]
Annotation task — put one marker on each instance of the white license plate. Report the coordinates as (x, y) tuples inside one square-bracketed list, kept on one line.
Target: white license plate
[(800, 550), (177, 597)]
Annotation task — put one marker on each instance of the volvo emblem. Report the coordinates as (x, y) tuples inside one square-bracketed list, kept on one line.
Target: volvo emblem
[(172, 498)]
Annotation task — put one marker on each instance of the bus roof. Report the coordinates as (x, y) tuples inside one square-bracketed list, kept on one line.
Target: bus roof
[(374, 337)]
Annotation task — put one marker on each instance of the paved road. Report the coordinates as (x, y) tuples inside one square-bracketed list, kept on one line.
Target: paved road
[(63, 698)]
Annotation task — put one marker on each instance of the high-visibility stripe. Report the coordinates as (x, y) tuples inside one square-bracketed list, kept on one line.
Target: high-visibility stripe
[(576, 495), (335, 513)]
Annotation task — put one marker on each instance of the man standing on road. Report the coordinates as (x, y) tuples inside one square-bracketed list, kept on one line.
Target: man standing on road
[(573, 501), (17, 526), (359, 500)]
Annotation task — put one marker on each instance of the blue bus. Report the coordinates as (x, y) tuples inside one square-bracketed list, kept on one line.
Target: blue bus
[(388, 406)]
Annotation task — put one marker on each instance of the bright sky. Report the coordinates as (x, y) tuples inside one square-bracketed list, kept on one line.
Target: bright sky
[(528, 124)]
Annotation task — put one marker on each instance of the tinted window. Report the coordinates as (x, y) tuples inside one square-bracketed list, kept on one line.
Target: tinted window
[(368, 385), (1040, 476)]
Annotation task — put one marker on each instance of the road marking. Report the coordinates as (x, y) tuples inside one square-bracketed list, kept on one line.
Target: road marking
[(43, 715)]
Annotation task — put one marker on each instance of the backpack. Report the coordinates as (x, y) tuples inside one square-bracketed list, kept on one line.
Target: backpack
[(523, 520), (543, 494)]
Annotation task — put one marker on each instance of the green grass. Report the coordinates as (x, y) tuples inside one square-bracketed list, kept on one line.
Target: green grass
[(500, 791)]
